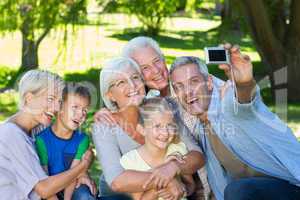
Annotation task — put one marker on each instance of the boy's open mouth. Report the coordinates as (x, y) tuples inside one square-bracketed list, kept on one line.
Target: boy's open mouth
[(77, 122), (49, 115)]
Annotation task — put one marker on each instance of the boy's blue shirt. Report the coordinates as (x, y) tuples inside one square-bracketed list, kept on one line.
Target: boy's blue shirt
[(58, 153)]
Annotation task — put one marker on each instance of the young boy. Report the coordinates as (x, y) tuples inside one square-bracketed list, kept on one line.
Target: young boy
[(162, 143), (62, 145)]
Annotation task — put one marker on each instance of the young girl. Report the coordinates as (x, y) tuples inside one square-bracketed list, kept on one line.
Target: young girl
[(161, 144)]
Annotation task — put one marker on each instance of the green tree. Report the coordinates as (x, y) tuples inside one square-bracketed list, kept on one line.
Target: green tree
[(190, 7), (34, 19), (151, 13), (275, 27)]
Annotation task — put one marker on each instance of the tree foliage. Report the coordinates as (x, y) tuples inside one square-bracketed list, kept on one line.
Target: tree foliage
[(275, 27), (151, 13), (35, 18)]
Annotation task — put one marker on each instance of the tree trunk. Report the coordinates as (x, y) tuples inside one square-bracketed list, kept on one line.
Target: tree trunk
[(226, 12), (293, 76), (230, 15), (218, 7), (29, 54), (190, 7), (29, 59), (277, 51), (292, 40)]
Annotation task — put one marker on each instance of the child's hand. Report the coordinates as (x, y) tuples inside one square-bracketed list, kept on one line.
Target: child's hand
[(88, 157), (86, 180), (162, 175), (176, 156), (174, 191)]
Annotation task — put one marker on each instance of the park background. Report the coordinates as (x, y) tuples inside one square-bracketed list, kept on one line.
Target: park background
[(74, 38)]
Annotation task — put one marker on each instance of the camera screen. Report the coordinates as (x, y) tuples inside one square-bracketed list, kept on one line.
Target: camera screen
[(217, 55)]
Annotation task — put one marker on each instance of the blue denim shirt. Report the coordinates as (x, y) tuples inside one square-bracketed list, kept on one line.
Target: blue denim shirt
[(253, 134)]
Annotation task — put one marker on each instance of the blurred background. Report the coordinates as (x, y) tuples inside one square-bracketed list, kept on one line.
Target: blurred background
[(74, 38)]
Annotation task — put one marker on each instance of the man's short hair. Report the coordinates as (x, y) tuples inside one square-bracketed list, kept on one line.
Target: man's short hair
[(185, 60)]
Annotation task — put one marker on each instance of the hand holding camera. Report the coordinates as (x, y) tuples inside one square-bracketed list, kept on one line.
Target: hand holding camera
[(231, 61)]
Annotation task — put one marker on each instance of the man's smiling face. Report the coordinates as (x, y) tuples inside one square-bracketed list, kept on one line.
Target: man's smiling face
[(191, 87), (153, 67)]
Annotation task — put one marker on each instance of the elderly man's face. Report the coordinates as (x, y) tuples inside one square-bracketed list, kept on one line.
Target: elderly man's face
[(192, 89), (153, 68)]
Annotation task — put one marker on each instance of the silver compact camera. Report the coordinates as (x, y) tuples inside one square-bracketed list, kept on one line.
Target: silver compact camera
[(216, 55)]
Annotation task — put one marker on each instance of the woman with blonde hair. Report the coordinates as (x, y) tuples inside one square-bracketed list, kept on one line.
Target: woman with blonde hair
[(21, 175)]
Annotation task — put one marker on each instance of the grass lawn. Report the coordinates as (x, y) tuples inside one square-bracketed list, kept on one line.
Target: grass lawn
[(87, 49)]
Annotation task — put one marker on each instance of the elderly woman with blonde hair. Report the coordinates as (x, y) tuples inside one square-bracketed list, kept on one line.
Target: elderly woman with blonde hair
[(21, 175)]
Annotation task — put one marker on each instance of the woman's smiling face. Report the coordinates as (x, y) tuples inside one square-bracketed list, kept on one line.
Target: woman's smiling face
[(127, 88), (43, 105)]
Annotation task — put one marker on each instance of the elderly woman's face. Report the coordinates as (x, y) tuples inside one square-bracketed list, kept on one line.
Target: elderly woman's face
[(44, 104), (127, 88)]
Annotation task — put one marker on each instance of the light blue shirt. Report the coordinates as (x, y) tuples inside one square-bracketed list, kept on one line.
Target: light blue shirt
[(253, 134)]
